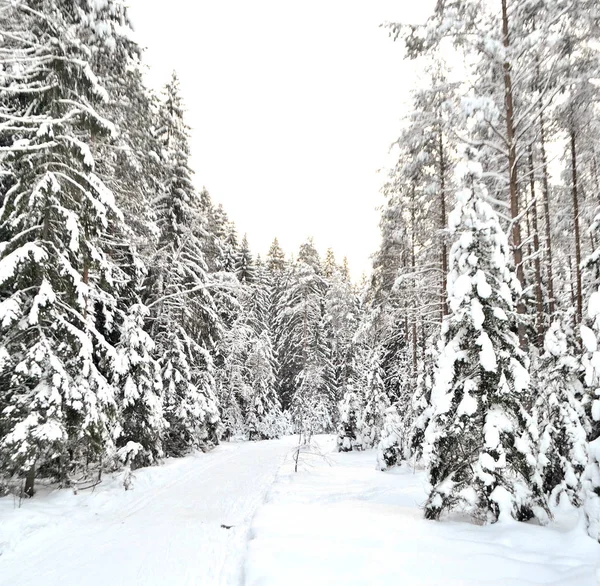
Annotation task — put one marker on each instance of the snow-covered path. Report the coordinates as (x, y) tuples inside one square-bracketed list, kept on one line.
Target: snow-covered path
[(337, 521), (167, 531)]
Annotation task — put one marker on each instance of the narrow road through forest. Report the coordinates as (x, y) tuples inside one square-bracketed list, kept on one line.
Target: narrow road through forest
[(187, 524), (241, 516)]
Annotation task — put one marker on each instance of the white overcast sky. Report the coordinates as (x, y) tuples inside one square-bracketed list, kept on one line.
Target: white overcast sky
[(292, 105)]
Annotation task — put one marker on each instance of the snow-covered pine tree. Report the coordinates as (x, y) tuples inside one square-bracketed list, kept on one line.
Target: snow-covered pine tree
[(244, 263), (264, 419), (562, 451), (275, 258), (185, 321), (372, 391), (591, 363), (305, 368), (57, 406), (349, 427), (389, 449), (342, 315), (140, 386), (480, 444)]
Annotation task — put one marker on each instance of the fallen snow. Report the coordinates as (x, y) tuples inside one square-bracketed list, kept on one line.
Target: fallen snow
[(337, 521), (166, 531)]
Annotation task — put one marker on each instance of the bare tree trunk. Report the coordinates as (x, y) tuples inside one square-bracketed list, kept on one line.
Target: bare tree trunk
[(574, 192), (528, 225), (546, 194), (595, 176), (423, 340), (536, 248), (443, 221), (413, 266), (571, 288), (512, 168), (30, 482)]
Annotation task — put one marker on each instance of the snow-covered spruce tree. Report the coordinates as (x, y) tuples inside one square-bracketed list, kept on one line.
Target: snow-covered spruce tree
[(232, 376), (420, 406), (299, 316), (129, 166), (263, 419), (349, 427), (305, 369), (342, 314), (591, 362), (244, 263), (57, 403), (185, 321), (191, 412), (374, 397), (139, 397), (479, 444), (275, 258), (389, 449), (248, 399), (560, 414)]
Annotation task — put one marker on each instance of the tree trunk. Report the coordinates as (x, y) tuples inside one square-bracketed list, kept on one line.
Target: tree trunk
[(595, 176), (512, 168), (30, 482), (415, 308), (536, 249), (443, 221), (571, 288), (546, 194), (574, 192)]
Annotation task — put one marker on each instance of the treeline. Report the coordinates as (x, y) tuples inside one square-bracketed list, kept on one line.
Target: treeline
[(133, 323), (484, 321)]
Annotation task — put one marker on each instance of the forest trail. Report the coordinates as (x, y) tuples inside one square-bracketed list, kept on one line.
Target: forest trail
[(240, 515), (185, 523)]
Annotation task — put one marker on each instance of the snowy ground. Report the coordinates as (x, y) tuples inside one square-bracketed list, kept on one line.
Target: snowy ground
[(336, 522), (165, 532), (340, 522)]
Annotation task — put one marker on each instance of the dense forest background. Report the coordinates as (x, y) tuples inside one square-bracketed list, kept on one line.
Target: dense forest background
[(135, 323)]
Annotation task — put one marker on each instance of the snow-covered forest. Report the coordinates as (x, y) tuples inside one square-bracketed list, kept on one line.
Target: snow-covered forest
[(136, 324)]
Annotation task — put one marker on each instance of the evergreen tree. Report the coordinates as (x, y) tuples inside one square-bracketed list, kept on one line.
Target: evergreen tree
[(244, 264), (275, 258), (305, 373), (57, 405), (264, 419), (140, 387), (563, 454), (389, 449), (480, 440), (420, 406), (185, 320), (375, 399), (349, 428), (341, 317)]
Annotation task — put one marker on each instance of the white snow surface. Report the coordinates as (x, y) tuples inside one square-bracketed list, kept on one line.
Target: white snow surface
[(336, 521), (165, 531)]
